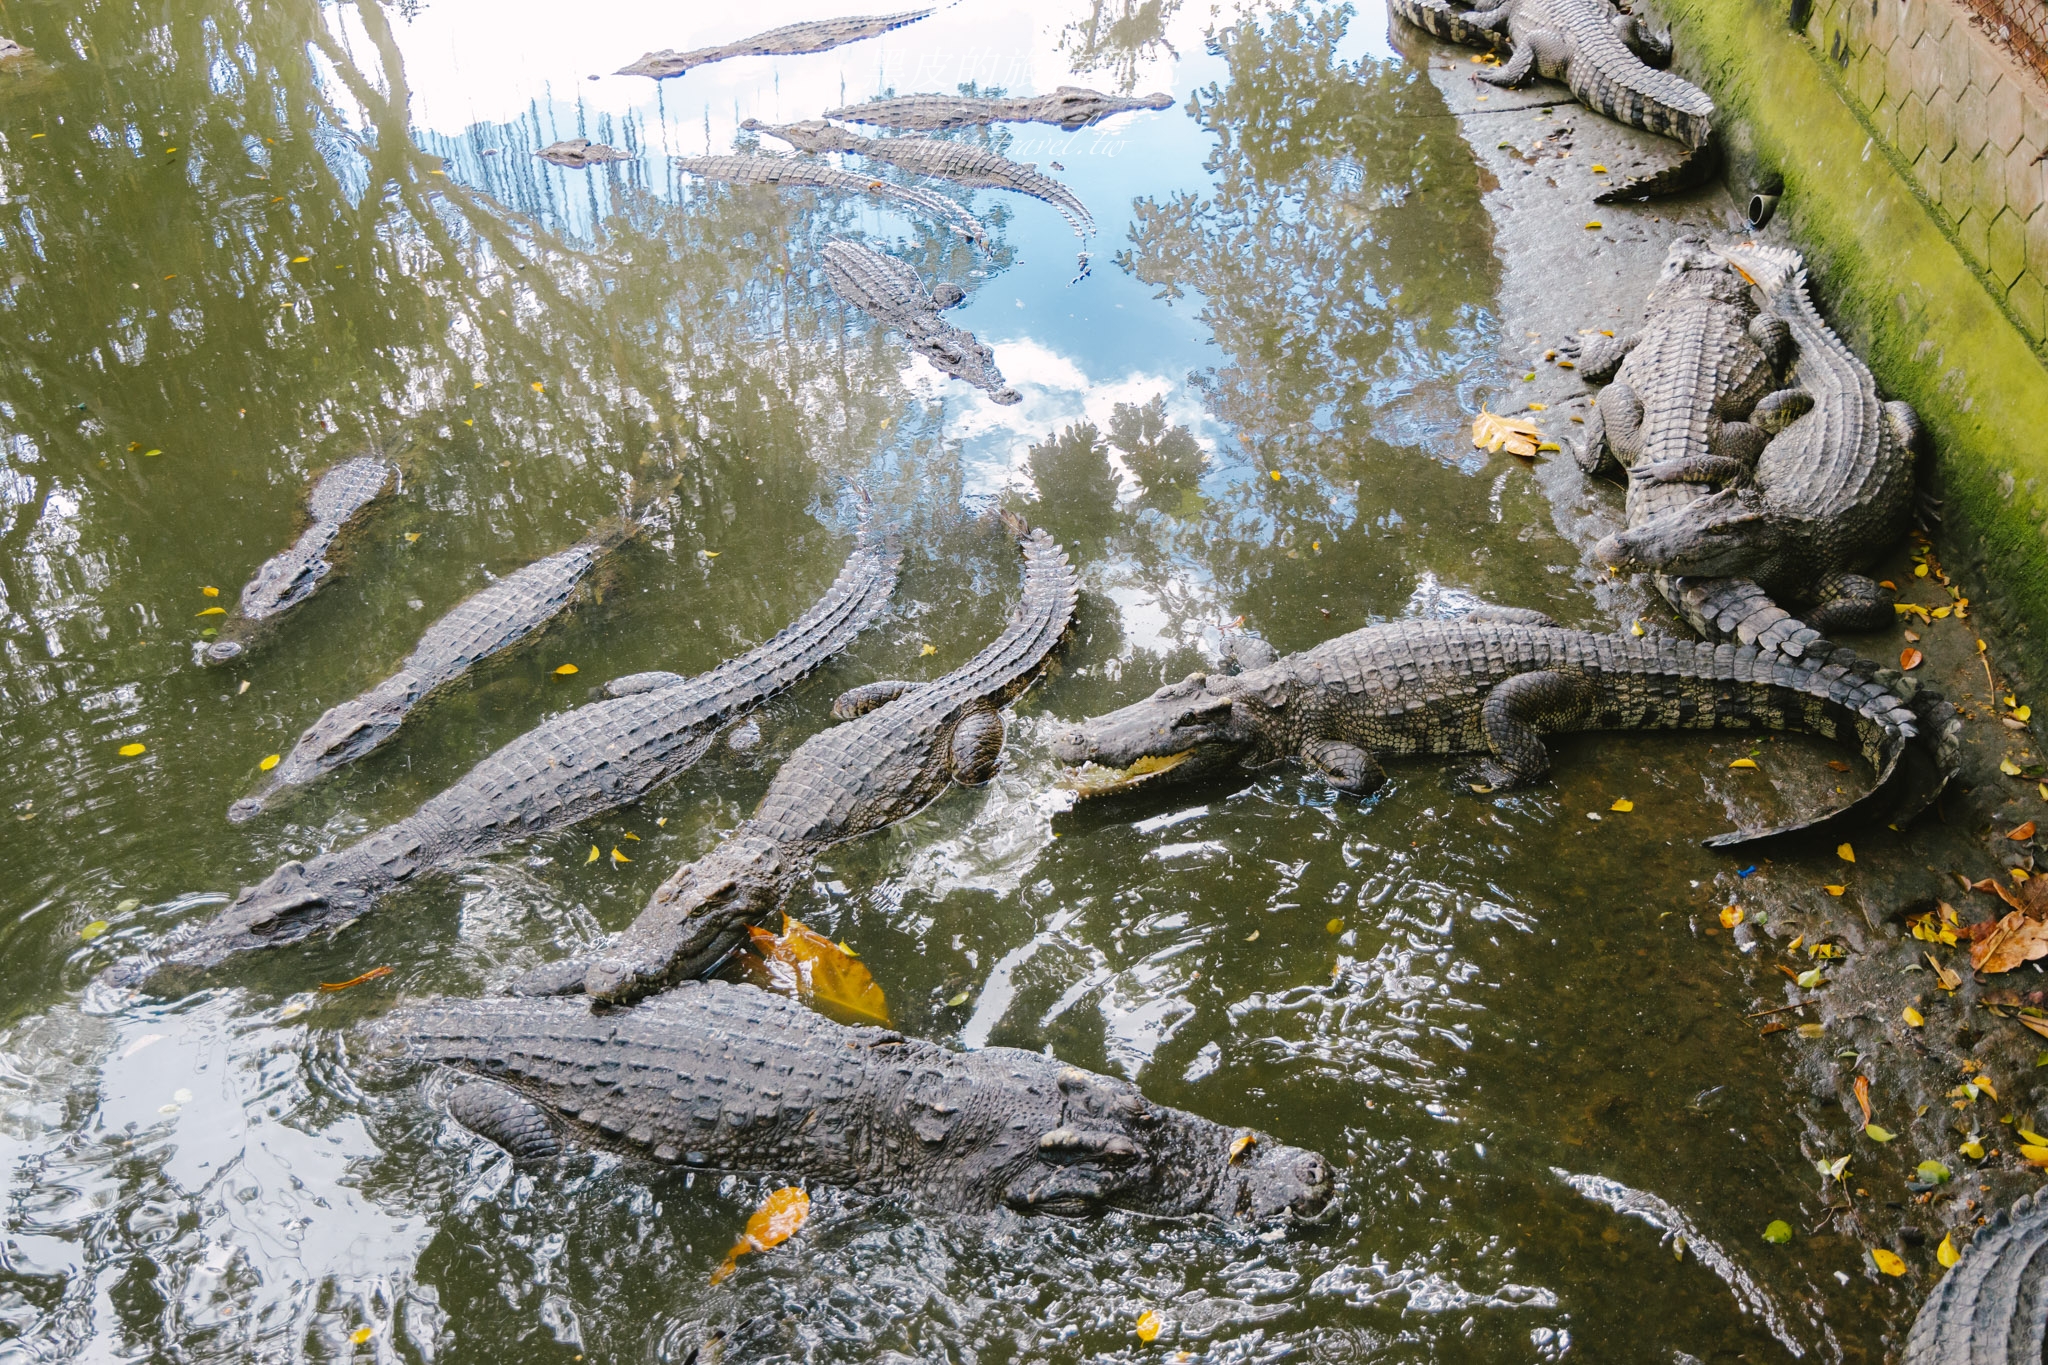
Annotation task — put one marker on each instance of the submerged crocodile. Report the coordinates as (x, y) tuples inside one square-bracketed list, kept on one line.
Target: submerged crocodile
[(289, 578), (976, 167), (1069, 106), (580, 153), (595, 758), (791, 40), (889, 291), (904, 744), (1828, 495), (1494, 684), (483, 624), (1691, 398), (780, 171), (722, 1077), (1602, 56), (1991, 1308)]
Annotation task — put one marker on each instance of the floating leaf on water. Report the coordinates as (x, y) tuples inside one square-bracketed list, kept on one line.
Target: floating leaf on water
[(1252, 937), (1914, 1018), (634, 837), (1275, 473), (125, 906), (209, 592), (1911, 658), (212, 611), (927, 651), (1335, 926), (370, 975), (1624, 805), (132, 750), (1239, 1143), (269, 761), (538, 387), (816, 970), (1492, 432), (619, 857), (361, 1334), (1877, 1134), (958, 1000), (1887, 1261), (1777, 1232), (412, 537), (594, 856), (1731, 915), (1743, 763), (774, 1223), (1149, 1325), (1946, 1253), (567, 670), (94, 930)]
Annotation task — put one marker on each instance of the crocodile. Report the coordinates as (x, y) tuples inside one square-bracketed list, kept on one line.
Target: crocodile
[(9, 49), (290, 577), (781, 171), (903, 744), (723, 1077), (1068, 106), (976, 167), (483, 624), (890, 292), (580, 153), (1694, 393), (791, 40), (1603, 56), (1826, 497), (1991, 1308), (1494, 683), (648, 728)]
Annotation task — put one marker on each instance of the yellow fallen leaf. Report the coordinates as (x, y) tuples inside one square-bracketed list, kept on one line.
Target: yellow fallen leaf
[(1492, 432), (2023, 713), (152, 452), (2037, 1155), (619, 857), (1811, 979), (566, 670), (300, 260), (774, 1223), (1919, 571), (1877, 1134), (594, 856), (539, 387), (813, 968), (1984, 1084), (131, 750), (1539, 407), (1731, 915), (2008, 767), (1335, 926), (212, 611), (1239, 1143), (209, 592), (1150, 1325), (269, 761), (710, 554), (1624, 805), (1275, 473), (1743, 763), (412, 537), (1946, 1253), (361, 1335), (634, 837), (1598, 169), (1887, 1261), (927, 650), (2031, 1136), (1636, 628), (1914, 1018), (1846, 853), (1833, 890), (94, 930), (1972, 1149), (1590, 226)]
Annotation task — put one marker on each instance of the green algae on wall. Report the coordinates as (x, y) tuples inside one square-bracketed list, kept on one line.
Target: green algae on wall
[(1897, 286)]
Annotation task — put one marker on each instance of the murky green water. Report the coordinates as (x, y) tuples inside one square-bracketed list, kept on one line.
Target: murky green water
[(235, 245)]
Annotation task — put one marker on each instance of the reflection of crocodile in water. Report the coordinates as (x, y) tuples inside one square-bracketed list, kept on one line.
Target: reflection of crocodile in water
[(1602, 56), (791, 40), (776, 170), (289, 578), (1991, 1308), (586, 761), (1495, 683), (483, 624), (890, 292), (903, 744), (722, 1077), (1069, 106), (1827, 496), (579, 153)]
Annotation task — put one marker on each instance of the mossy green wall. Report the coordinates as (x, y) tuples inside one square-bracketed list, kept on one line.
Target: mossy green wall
[(1898, 287)]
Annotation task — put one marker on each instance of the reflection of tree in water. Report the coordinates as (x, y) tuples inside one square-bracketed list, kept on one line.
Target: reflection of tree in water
[(1163, 456), (1077, 490), (1119, 36), (1343, 254)]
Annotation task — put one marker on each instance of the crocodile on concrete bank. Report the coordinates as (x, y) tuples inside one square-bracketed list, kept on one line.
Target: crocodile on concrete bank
[(1828, 495), (595, 758), (1494, 684), (724, 1077), (959, 162), (1069, 106), (904, 743), (1600, 54), (289, 578), (791, 40), (889, 291), (580, 153), (787, 171), (483, 624), (1691, 398), (1991, 1308)]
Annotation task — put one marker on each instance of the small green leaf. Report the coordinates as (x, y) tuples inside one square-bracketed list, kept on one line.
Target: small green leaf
[(1778, 1233), (1877, 1134), (1933, 1172), (958, 1000), (94, 930)]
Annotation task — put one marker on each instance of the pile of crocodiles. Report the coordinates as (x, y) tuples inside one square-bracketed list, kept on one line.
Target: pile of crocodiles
[(1764, 474)]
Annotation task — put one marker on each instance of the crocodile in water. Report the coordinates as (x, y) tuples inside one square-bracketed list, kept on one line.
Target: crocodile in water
[(595, 758), (1069, 106), (1829, 494), (889, 291), (781, 171), (289, 578), (723, 1077), (1599, 54), (1991, 1308), (1495, 683), (484, 624), (902, 745), (580, 153), (792, 40)]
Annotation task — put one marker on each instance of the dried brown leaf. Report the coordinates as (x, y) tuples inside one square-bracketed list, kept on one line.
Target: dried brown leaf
[(2017, 939), (818, 971), (1493, 432)]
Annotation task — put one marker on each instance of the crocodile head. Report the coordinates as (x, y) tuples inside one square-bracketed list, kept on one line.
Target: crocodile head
[(694, 920), (1726, 534), (1693, 269), (291, 904), (1195, 725), (341, 736)]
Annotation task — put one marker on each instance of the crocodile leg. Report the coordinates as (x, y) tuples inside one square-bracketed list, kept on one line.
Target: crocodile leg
[(515, 1123), (1773, 336), (1515, 70), (977, 746), (1777, 410), (1344, 766), (1617, 442), (1650, 49), (1514, 717), (1849, 601), (1715, 469), (1493, 20), (858, 701), (1739, 442), (1601, 357)]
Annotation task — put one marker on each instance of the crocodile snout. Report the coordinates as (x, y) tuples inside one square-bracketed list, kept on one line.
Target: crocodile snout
[(1074, 746)]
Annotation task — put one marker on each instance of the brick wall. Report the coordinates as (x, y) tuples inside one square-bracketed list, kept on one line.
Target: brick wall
[(1965, 119)]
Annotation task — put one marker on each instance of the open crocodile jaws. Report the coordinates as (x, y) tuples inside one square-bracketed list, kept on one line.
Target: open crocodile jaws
[(726, 1077), (581, 763), (1494, 684), (902, 745)]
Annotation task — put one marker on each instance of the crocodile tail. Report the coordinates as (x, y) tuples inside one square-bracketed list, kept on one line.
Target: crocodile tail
[(1773, 269), (1438, 18), (1694, 168)]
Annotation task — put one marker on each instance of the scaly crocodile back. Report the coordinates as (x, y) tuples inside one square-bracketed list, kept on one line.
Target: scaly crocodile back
[(1607, 77), (1441, 19), (784, 171), (1991, 1308), (791, 40), (1068, 106), (889, 291)]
